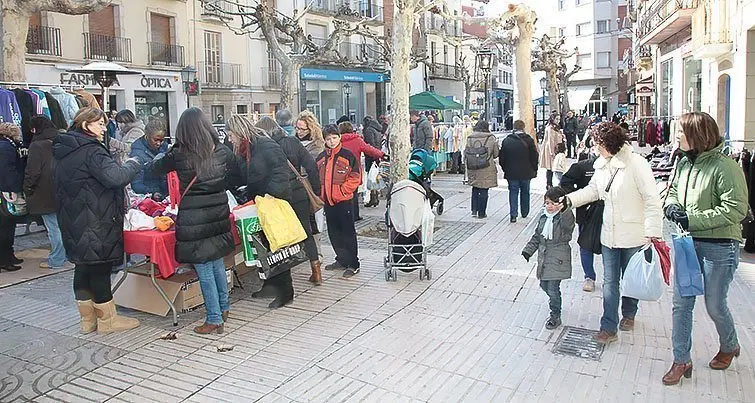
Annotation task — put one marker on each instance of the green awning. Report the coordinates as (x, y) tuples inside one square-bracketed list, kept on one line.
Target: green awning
[(429, 100)]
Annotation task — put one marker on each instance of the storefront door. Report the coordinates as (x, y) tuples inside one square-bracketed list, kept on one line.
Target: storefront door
[(151, 106)]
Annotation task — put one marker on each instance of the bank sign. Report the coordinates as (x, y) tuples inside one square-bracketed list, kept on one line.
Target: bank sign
[(340, 75)]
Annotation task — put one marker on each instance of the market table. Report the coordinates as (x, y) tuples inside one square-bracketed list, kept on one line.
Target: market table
[(160, 247)]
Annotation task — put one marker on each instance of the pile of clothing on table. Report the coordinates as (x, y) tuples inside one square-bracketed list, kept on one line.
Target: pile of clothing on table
[(146, 213), (662, 163)]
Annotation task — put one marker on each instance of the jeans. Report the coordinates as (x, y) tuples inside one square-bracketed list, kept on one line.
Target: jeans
[(549, 178), (718, 261), (342, 234), (552, 288), (588, 261), (615, 261), (214, 285), (479, 200), (519, 194), (92, 282), (57, 257), (559, 175)]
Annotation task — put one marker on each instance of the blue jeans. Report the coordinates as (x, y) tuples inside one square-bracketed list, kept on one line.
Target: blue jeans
[(615, 261), (588, 261), (552, 288), (718, 261), (479, 200), (57, 257), (214, 287), (519, 193)]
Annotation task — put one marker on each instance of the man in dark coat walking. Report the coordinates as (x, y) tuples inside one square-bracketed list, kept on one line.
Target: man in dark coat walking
[(571, 127), (423, 132), (519, 159)]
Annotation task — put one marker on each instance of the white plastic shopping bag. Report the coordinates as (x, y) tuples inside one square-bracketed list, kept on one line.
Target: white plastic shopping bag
[(428, 224), (373, 177), (232, 202), (643, 279), (366, 197)]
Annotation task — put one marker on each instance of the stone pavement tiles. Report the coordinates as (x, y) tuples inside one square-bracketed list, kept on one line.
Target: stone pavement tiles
[(474, 333)]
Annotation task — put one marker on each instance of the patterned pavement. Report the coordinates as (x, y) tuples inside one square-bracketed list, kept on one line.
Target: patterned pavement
[(474, 333)]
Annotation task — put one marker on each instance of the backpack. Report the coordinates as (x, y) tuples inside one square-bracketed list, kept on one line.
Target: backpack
[(477, 157)]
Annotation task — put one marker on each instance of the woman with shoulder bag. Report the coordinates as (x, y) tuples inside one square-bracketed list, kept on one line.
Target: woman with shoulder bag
[(483, 175), (309, 132), (631, 218), (299, 159), (203, 227), (12, 167), (708, 198)]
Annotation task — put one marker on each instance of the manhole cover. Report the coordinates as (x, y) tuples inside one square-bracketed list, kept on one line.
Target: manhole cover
[(578, 342)]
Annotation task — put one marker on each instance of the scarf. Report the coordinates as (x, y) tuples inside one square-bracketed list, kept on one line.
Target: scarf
[(548, 227)]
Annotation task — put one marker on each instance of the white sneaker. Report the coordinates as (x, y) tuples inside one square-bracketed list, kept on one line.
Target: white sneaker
[(589, 285)]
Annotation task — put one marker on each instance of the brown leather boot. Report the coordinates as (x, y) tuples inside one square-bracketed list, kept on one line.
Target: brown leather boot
[(207, 328), (723, 360), (316, 276), (225, 316), (626, 324), (674, 375)]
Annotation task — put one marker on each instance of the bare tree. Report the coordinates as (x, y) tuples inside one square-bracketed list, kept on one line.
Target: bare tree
[(564, 77), (549, 57), (14, 24)]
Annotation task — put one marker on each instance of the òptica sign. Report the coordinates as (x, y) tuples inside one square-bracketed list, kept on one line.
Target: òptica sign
[(156, 82)]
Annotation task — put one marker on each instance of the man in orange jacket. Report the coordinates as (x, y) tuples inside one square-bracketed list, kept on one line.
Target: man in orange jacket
[(340, 176)]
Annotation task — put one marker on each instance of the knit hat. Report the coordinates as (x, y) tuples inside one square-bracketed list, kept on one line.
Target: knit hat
[(343, 118)]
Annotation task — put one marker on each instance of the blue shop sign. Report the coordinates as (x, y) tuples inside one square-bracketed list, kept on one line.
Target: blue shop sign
[(340, 75)]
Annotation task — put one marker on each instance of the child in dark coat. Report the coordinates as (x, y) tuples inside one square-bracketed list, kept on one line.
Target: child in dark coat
[(551, 242)]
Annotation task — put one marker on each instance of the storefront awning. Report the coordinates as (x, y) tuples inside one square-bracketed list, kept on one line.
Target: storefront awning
[(579, 96), (429, 100)]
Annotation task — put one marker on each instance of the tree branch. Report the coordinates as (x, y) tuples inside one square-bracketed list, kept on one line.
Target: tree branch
[(72, 7)]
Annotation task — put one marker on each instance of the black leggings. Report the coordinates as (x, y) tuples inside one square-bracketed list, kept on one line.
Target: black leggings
[(92, 282), (7, 238), (302, 210)]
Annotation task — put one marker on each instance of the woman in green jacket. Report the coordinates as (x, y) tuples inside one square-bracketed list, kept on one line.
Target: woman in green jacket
[(708, 197)]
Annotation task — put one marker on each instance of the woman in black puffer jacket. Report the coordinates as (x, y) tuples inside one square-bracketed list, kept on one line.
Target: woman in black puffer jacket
[(89, 187), (203, 226), (264, 169), (301, 160)]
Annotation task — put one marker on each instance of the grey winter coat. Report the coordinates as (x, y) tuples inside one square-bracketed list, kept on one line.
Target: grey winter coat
[(372, 132), (485, 178), (553, 255), (423, 135)]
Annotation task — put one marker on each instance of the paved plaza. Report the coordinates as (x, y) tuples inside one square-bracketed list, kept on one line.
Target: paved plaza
[(474, 333)]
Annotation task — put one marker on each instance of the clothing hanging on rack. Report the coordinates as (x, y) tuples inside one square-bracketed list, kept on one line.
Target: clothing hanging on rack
[(68, 105), (9, 111)]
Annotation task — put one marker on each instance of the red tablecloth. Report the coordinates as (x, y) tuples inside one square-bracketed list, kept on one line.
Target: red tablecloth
[(160, 246)]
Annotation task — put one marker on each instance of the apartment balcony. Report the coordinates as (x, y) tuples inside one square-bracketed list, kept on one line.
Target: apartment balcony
[(711, 30), (354, 9), (217, 10), (221, 75), (664, 18), (43, 41), (165, 55), (436, 24), (444, 71), (364, 53), (271, 79), (104, 47)]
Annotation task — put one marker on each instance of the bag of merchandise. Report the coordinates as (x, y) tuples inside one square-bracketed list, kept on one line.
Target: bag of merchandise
[(279, 222), (643, 278), (428, 224), (248, 223)]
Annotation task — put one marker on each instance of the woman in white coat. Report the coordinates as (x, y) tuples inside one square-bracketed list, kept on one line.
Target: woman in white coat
[(552, 138), (631, 218)]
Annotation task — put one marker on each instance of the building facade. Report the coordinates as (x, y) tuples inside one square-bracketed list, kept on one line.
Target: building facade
[(698, 55), (59, 43), (600, 34)]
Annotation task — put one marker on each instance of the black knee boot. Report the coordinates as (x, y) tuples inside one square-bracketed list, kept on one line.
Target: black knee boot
[(284, 290)]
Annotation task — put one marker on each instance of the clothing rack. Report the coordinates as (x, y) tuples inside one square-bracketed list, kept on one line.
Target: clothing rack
[(26, 84)]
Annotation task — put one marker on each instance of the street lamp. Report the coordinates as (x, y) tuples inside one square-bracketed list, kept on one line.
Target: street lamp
[(485, 64), (189, 76), (347, 92), (543, 86)]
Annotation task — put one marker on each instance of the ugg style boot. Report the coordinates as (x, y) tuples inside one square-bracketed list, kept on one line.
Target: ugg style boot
[(88, 322), (316, 276), (108, 320)]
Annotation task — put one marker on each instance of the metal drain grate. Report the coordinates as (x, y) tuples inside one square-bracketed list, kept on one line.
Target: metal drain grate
[(578, 342)]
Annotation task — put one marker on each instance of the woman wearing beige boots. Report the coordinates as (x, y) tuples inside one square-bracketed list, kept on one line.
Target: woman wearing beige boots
[(89, 187)]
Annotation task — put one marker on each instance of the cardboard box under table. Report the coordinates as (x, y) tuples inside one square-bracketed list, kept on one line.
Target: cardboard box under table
[(153, 287)]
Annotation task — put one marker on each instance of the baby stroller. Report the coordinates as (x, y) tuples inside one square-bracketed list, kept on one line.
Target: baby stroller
[(421, 167), (405, 216)]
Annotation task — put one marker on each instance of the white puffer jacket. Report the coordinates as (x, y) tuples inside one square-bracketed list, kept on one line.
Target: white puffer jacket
[(632, 206)]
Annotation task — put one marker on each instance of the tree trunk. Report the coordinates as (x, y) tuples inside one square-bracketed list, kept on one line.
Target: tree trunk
[(289, 86), (524, 79), (15, 26), (565, 107), (467, 96), (553, 91), (403, 22)]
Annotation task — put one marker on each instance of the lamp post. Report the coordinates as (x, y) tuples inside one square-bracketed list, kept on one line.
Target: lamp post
[(543, 86), (347, 92), (188, 76), (485, 64)]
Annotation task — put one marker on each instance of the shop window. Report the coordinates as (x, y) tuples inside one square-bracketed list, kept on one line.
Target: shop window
[(217, 113), (693, 84), (583, 29), (603, 26), (604, 59), (242, 109), (274, 108), (257, 108), (667, 88)]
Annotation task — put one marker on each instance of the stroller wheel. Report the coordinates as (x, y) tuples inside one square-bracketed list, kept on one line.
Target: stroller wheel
[(387, 275), (421, 275), (385, 262), (440, 208), (427, 274), (394, 274)]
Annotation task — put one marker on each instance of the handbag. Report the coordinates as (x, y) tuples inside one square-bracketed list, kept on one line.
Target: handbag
[(689, 274), (13, 204), (589, 233), (642, 278), (315, 202)]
